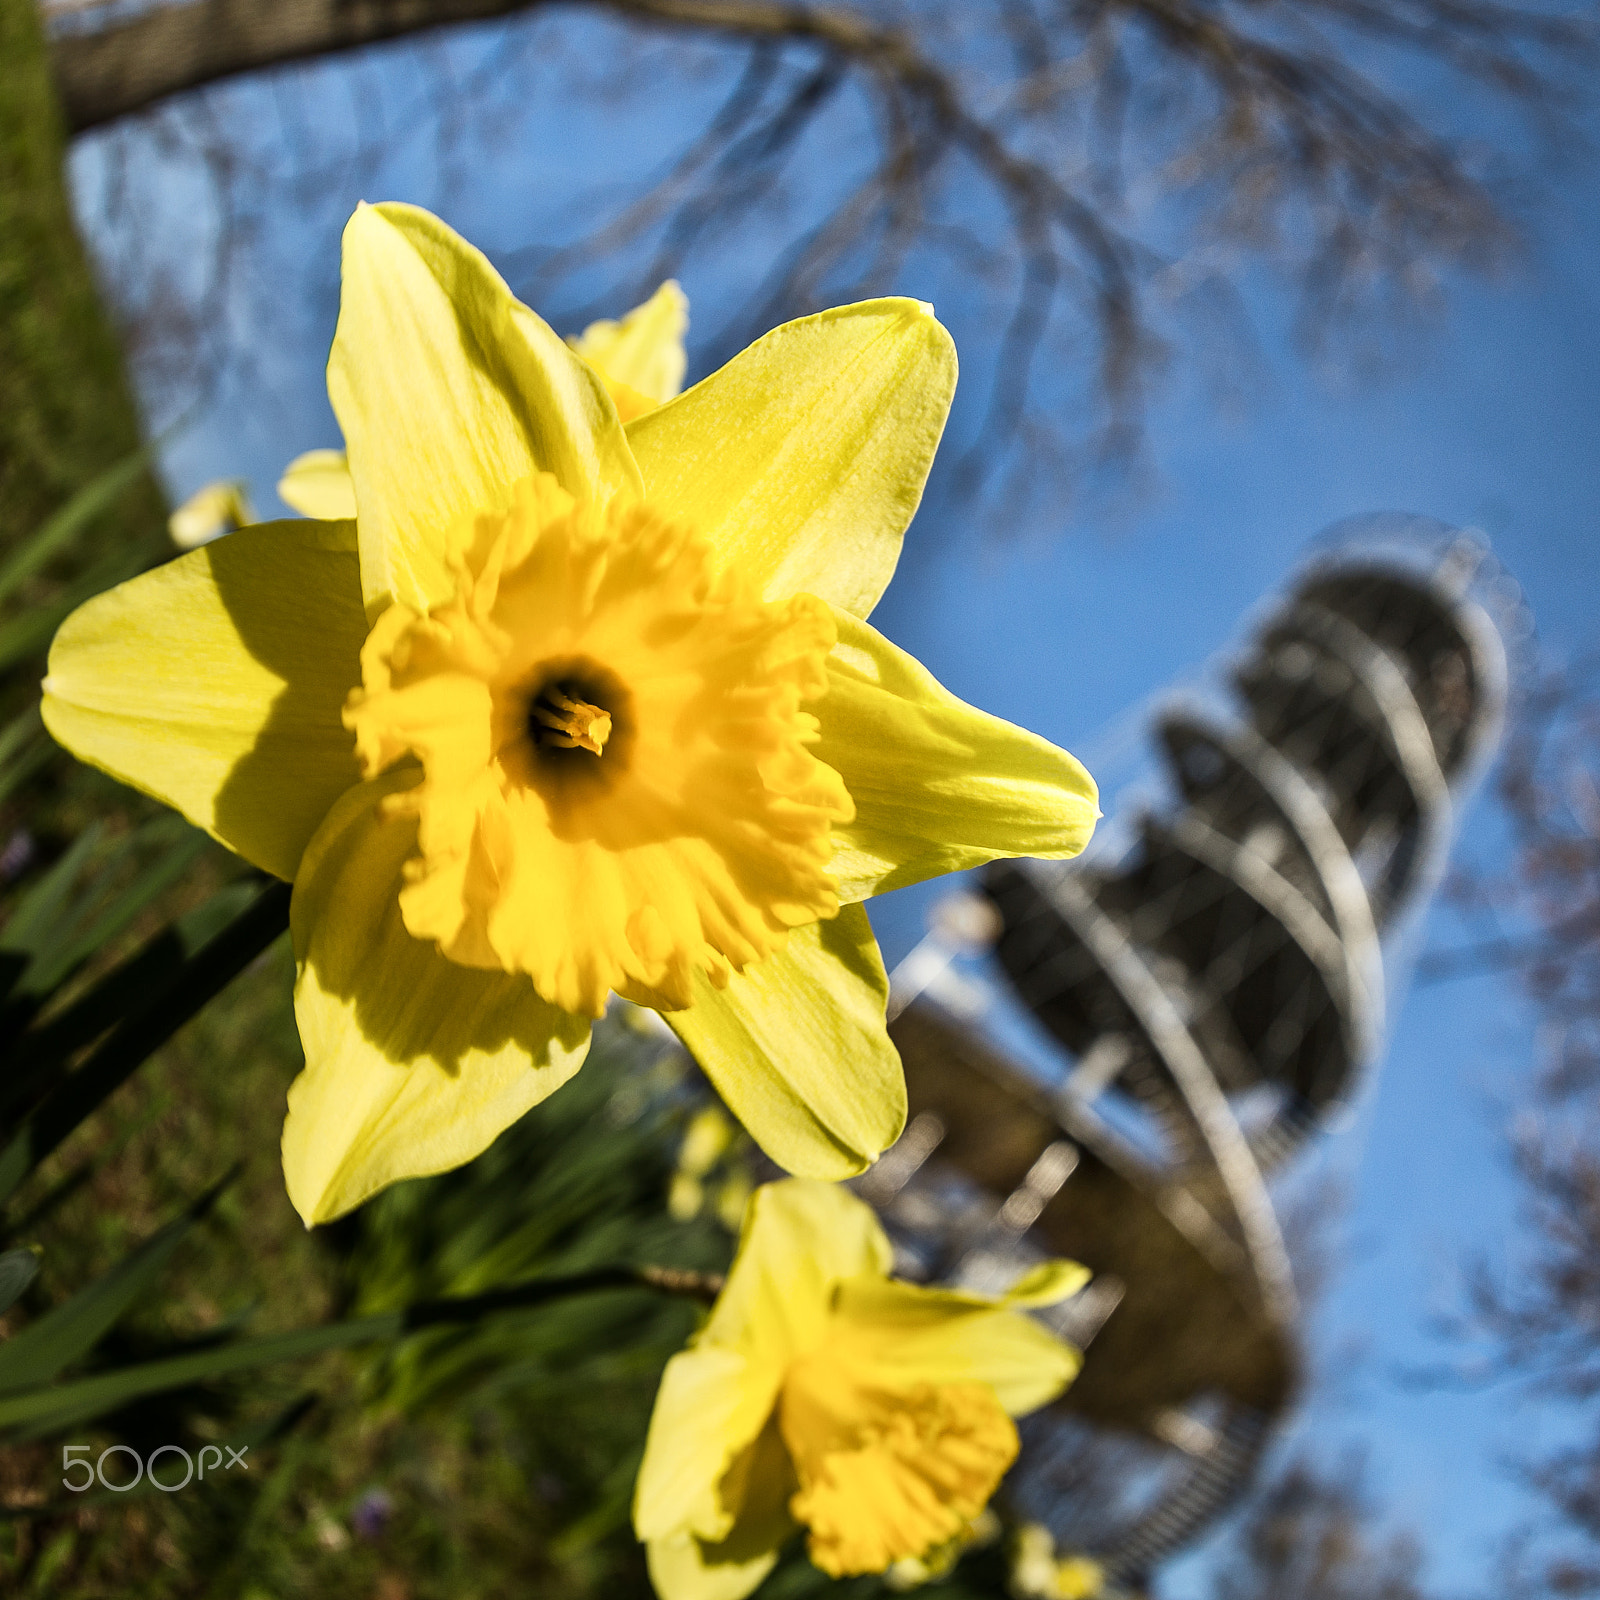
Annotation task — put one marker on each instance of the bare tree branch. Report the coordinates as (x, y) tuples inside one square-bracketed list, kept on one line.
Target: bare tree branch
[(114, 70), (1260, 124), (1535, 1317)]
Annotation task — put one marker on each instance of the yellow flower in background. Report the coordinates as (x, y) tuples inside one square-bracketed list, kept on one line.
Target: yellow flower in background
[(317, 484), (640, 359), (1037, 1573), (571, 708), (823, 1394), (209, 513), (710, 1141), (705, 1142), (1078, 1578)]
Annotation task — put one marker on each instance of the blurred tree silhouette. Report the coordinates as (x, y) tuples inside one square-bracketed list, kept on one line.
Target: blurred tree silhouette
[(1536, 1317), (66, 413), (1105, 173), (1311, 1536)]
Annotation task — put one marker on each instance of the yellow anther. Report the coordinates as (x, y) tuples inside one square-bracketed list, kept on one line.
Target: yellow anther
[(567, 723)]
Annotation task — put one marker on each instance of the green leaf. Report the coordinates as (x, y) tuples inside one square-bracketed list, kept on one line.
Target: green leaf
[(69, 1332), (96, 496), (18, 1268), (43, 1052), (205, 974), (106, 921)]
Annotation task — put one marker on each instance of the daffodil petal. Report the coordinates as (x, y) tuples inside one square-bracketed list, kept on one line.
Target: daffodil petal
[(317, 484), (937, 1336), (413, 1063), (642, 351), (804, 458), (799, 1241), (216, 682), (797, 1048), (1047, 1284), (756, 1489), (686, 1568), (713, 1402), (449, 392), (938, 785)]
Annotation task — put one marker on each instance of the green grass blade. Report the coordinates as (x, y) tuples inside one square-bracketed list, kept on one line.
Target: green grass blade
[(71, 1182), (81, 903), (109, 920), (69, 1332), (38, 912), (43, 1410), (44, 1051), (17, 732), (262, 1433), (95, 497), (205, 974), (24, 765)]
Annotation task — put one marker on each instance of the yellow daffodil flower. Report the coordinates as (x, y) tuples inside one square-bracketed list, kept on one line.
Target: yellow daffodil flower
[(640, 360), (209, 513), (704, 1142), (570, 709), (317, 484), (823, 1394)]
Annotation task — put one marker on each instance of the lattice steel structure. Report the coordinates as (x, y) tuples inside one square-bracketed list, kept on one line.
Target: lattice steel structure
[(1215, 992)]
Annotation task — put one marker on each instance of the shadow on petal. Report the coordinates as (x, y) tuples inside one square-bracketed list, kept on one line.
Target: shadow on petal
[(303, 621), (414, 1064), (215, 684)]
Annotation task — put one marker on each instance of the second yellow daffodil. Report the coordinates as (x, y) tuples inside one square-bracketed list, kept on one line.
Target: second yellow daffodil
[(570, 708), (823, 1394)]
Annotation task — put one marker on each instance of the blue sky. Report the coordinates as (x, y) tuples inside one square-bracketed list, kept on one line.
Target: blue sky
[(1491, 419)]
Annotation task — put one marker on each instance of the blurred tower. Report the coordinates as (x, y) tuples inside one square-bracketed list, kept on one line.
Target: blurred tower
[(1212, 983)]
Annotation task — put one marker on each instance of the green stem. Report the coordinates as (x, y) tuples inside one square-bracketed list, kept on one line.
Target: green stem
[(38, 1410)]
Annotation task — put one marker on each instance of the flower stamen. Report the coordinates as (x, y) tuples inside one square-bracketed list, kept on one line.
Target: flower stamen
[(557, 720)]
